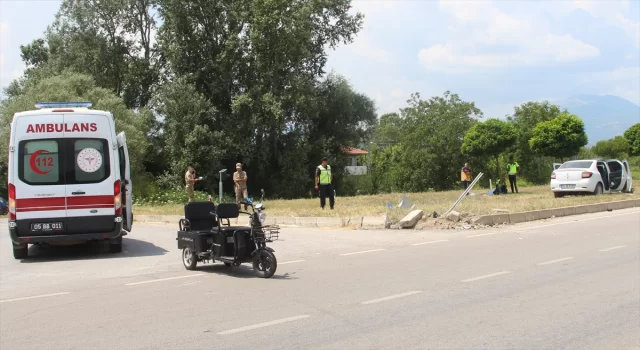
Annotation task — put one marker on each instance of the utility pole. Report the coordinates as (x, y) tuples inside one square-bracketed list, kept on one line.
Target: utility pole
[(221, 172)]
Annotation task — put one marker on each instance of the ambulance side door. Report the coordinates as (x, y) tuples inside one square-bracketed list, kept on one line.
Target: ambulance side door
[(125, 178)]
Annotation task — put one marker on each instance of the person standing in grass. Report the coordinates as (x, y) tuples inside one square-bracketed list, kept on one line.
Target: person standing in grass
[(514, 169), (240, 181), (466, 175), (323, 181), (190, 180)]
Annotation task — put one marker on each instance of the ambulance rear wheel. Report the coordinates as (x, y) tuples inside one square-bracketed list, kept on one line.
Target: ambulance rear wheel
[(115, 245), (20, 252)]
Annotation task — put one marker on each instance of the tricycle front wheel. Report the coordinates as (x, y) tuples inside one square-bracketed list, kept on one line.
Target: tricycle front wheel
[(189, 258), (264, 264)]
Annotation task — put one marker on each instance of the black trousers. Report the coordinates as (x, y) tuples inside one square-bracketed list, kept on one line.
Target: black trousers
[(513, 183), (465, 184), (326, 191)]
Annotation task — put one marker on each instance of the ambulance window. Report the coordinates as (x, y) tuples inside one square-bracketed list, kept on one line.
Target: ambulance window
[(90, 161), (40, 162)]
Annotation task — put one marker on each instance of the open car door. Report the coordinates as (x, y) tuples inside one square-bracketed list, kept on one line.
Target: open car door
[(617, 175), (556, 166), (628, 188), (125, 179)]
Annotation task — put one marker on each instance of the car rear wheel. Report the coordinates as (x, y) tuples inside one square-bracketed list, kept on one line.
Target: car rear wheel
[(598, 190), (115, 246), (20, 251)]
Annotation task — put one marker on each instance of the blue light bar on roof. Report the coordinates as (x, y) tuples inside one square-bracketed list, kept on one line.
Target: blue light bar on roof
[(41, 105)]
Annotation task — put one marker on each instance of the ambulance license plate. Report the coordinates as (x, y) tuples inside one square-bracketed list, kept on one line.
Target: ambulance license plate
[(53, 226)]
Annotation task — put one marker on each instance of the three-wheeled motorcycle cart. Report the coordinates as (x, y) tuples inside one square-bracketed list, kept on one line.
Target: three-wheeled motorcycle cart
[(203, 237)]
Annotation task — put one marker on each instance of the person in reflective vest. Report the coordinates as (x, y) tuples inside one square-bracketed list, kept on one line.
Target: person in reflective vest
[(514, 169), (323, 183)]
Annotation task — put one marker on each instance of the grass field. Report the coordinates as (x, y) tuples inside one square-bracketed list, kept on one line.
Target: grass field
[(529, 198)]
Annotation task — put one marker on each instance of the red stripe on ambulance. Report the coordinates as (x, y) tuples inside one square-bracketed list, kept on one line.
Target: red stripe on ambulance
[(62, 203)]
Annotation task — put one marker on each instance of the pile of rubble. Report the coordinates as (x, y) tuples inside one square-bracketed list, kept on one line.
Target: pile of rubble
[(451, 221)]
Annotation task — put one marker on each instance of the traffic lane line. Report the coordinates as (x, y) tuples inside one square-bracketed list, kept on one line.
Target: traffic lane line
[(486, 276), (290, 262), (483, 234), (612, 248), (264, 324), (165, 279), (574, 221), (362, 252), (432, 242), (391, 297), (35, 297), (555, 261)]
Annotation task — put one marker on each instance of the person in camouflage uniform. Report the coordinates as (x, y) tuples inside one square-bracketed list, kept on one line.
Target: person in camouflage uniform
[(240, 181), (190, 180)]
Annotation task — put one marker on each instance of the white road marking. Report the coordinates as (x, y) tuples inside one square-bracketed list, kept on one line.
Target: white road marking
[(612, 248), (574, 221), (164, 279), (401, 295), (290, 262), (35, 297), (555, 261), (431, 242), (362, 252), (265, 324), (486, 276), (483, 234)]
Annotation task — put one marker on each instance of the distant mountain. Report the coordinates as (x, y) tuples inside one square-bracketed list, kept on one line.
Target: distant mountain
[(604, 116)]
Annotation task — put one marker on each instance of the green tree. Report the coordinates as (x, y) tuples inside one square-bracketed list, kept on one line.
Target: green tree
[(615, 148), (633, 137), (109, 40), (388, 130), (489, 139), (561, 137), (258, 63), (525, 118), (70, 86), (427, 155)]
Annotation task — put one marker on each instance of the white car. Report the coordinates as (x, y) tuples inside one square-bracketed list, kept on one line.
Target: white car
[(591, 176)]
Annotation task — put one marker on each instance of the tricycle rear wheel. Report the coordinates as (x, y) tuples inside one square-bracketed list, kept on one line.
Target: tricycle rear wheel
[(264, 264), (189, 258)]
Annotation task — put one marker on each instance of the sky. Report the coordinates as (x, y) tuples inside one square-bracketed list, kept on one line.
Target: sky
[(497, 54)]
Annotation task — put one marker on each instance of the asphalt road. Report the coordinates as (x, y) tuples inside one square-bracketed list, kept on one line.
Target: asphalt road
[(567, 283)]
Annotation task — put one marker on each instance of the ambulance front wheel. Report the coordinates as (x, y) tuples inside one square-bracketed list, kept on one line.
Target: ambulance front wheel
[(115, 245), (20, 251)]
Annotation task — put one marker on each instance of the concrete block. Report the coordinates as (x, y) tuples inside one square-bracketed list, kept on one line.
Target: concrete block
[(532, 215), (581, 209), (271, 220), (453, 216), (569, 211), (329, 222), (411, 219), (598, 207), (626, 204), (545, 214), (307, 221), (637, 202), (375, 222), (354, 221), (499, 219), (516, 218), (486, 220), (158, 218), (285, 220)]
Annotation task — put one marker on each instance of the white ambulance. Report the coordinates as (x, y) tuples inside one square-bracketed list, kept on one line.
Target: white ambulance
[(69, 177)]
